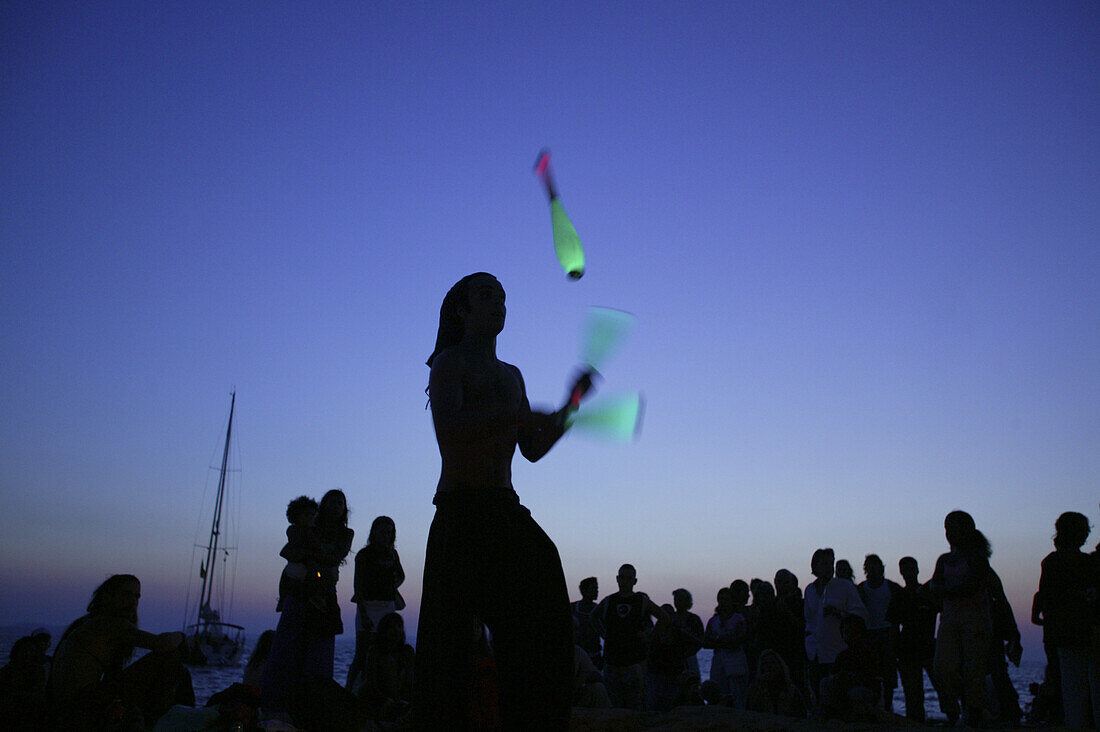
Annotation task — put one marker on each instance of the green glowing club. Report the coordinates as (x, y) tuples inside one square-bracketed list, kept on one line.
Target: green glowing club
[(615, 417), (603, 334), (567, 245)]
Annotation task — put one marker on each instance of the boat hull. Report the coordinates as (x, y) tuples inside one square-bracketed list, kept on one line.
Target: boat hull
[(215, 644)]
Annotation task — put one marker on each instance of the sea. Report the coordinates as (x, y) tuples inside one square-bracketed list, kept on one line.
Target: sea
[(210, 680)]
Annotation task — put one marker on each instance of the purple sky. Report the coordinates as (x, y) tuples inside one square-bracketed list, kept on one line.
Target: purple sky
[(862, 242)]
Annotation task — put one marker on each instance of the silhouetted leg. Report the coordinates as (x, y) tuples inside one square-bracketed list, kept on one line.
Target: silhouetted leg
[(1008, 699), (442, 679), (948, 668), (487, 559), (912, 685), (283, 671), (153, 683), (525, 603), (320, 656), (1074, 664)]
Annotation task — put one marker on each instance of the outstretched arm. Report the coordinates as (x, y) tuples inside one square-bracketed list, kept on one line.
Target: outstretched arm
[(539, 431), (162, 642)]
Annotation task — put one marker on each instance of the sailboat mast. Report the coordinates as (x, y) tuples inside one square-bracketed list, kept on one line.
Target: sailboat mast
[(207, 593)]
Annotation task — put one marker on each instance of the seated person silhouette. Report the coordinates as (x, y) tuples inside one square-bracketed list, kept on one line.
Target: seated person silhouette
[(90, 684)]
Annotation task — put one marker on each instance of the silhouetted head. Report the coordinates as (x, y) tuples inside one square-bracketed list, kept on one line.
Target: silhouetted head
[(725, 600), (26, 652), (590, 588), (333, 510), (42, 637), (117, 597), (1071, 530), (383, 532), (467, 300), (681, 598), (844, 570), (763, 594), (909, 569), (822, 564), (771, 668), (626, 578), (786, 583), (262, 649), (874, 569), (300, 511), (962, 534), (740, 590), (390, 634)]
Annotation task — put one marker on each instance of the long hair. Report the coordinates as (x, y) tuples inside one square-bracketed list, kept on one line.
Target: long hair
[(783, 667), (381, 635), (377, 524), (102, 603), (450, 323), (103, 597), (970, 540), (262, 650), (323, 522)]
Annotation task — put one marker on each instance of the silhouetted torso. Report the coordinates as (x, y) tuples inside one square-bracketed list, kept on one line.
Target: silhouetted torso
[(481, 461)]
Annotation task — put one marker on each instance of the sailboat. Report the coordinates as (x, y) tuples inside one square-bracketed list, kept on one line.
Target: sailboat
[(213, 641)]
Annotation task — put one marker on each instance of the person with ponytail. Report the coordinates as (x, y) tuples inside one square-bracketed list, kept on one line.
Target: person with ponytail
[(961, 581)]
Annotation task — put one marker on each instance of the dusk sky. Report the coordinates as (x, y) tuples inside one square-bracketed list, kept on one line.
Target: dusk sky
[(862, 242)]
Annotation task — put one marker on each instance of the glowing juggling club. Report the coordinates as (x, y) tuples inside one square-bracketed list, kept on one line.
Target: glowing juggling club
[(615, 417), (567, 245), (602, 335)]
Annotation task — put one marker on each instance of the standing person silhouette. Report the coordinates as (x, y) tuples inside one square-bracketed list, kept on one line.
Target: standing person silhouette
[(305, 638), (961, 581), (914, 609), (486, 557), (1068, 596), (378, 574)]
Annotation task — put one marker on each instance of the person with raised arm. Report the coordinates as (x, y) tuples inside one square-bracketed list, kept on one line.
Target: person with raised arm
[(486, 557)]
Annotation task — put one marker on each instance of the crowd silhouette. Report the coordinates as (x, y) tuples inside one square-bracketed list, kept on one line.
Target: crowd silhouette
[(836, 650), (500, 646)]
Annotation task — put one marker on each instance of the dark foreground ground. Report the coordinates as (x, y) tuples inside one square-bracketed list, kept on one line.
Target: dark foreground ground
[(724, 718)]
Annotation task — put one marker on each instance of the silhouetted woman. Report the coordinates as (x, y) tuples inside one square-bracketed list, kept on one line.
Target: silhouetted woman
[(378, 574), (772, 689), (1068, 591), (254, 669), (90, 683), (305, 638), (386, 690), (486, 557), (961, 581)]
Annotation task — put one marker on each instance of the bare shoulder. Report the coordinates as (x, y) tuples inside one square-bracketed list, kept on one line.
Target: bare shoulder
[(447, 360), (514, 370)]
